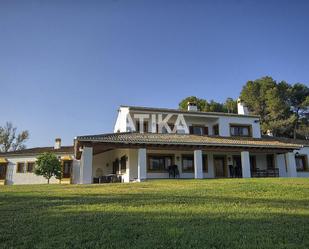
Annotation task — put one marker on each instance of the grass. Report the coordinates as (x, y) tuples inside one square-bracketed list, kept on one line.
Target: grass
[(227, 213)]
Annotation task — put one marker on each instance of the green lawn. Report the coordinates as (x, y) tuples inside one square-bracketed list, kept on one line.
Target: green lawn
[(227, 213)]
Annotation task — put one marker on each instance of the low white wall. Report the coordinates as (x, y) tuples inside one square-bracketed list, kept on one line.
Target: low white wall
[(13, 177)]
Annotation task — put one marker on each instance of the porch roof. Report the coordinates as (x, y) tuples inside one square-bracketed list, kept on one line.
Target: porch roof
[(143, 139), (38, 150)]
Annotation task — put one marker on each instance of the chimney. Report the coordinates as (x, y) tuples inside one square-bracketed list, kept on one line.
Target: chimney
[(241, 108), (269, 133), (192, 107), (57, 145)]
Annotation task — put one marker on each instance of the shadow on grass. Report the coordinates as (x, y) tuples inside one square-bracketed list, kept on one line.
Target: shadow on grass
[(152, 220)]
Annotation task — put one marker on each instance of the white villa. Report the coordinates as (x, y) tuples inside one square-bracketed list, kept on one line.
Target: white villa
[(162, 143)]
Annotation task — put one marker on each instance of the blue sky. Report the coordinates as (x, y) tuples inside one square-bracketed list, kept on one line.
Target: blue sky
[(66, 66)]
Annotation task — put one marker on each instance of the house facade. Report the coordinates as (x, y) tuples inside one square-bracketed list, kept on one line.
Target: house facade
[(152, 143)]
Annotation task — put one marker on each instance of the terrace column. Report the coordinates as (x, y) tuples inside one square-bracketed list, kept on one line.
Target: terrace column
[(245, 164), (141, 164), (198, 164), (86, 166), (290, 164)]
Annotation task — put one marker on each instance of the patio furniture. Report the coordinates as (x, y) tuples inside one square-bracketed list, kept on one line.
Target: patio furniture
[(173, 171), (265, 172)]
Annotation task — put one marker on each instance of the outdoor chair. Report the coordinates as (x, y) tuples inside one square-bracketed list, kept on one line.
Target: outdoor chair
[(173, 171)]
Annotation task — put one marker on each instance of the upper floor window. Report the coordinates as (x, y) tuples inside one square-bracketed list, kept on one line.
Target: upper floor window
[(144, 128), (164, 130), (240, 130), (301, 163), (198, 130), (215, 130)]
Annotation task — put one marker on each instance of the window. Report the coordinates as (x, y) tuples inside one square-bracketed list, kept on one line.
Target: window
[(187, 163), (253, 163), (270, 161), (301, 163), (198, 130), (2, 171), (20, 168), (240, 130), (138, 128), (164, 130), (215, 130), (159, 163), (30, 166), (67, 167), (123, 164), (115, 166), (205, 164)]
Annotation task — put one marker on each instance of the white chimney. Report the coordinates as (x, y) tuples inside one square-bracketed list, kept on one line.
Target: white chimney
[(269, 133), (57, 145), (241, 108), (192, 107)]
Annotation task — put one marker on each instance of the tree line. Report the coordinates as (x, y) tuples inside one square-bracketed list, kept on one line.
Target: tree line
[(283, 107)]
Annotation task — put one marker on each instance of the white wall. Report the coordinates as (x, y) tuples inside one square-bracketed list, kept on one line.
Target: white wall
[(281, 165), (225, 121), (104, 162), (12, 177), (76, 172), (121, 121), (209, 174), (303, 151)]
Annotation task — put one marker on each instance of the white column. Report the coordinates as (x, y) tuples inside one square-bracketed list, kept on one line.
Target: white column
[(245, 164), (198, 164), (281, 165), (141, 164), (86, 166), (291, 164)]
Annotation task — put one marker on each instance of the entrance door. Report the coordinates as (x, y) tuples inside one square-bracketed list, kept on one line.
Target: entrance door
[(2, 171), (115, 166), (67, 169), (219, 163), (237, 166), (253, 163)]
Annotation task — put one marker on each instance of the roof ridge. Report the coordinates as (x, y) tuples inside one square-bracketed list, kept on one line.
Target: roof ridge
[(186, 111)]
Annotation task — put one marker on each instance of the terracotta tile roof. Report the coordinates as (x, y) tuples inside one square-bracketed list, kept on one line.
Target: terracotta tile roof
[(168, 110), (38, 150), (289, 140), (186, 139)]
